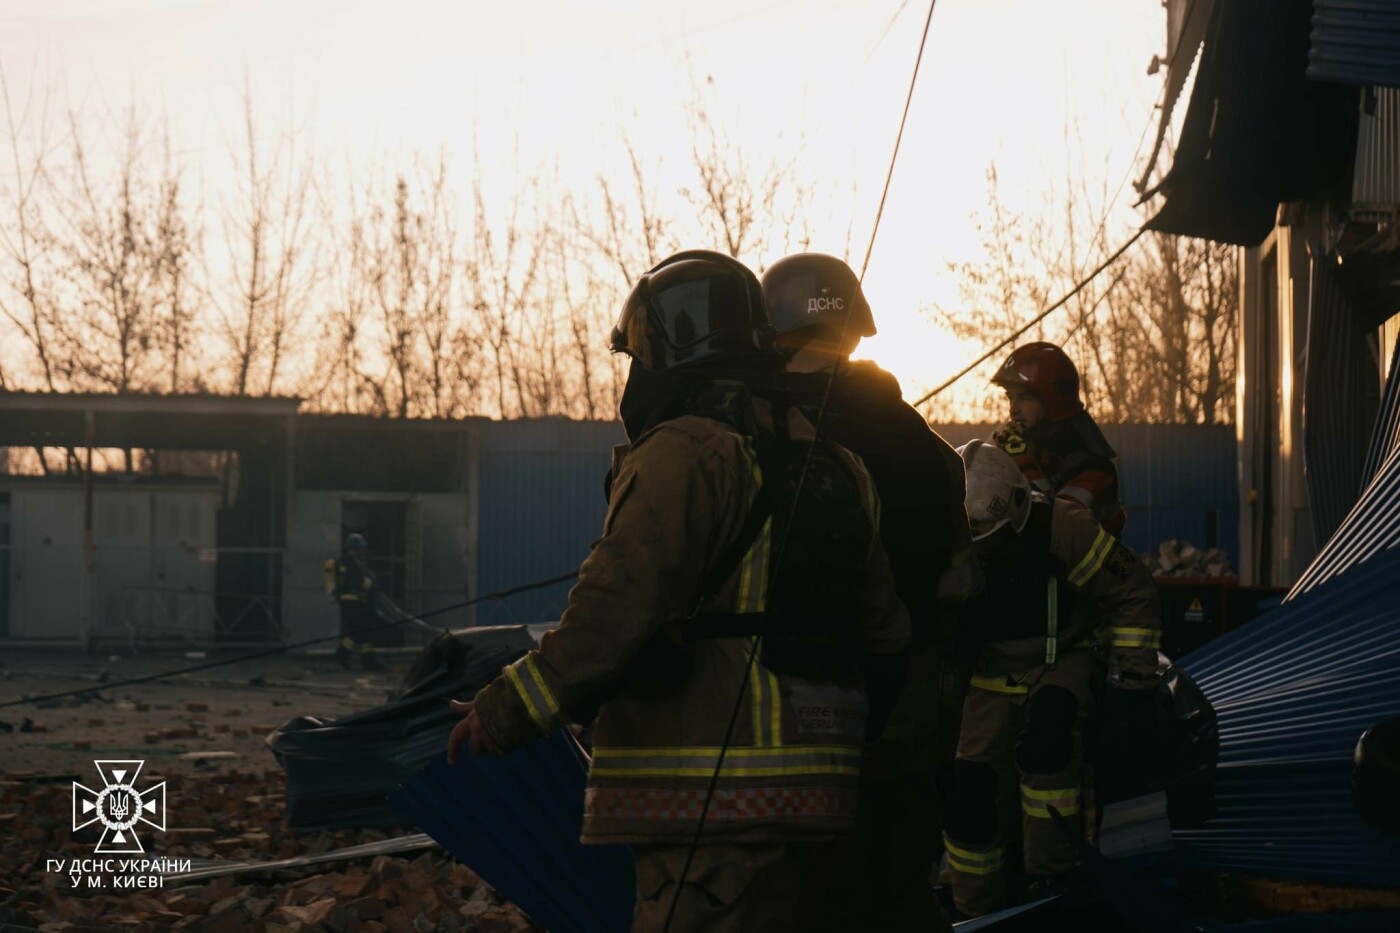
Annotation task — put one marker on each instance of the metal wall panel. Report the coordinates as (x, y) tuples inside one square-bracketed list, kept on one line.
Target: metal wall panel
[(313, 535), (47, 583), (1355, 42), (1375, 186), (445, 549), (541, 504)]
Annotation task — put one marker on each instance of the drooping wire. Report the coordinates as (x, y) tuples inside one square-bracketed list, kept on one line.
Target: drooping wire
[(1083, 283), (899, 138), (757, 640), (281, 649)]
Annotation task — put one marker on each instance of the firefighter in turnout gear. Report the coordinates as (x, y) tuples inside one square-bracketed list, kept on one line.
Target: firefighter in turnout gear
[(817, 307), (719, 578), (350, 583), (1051, 436), (1063, 601)]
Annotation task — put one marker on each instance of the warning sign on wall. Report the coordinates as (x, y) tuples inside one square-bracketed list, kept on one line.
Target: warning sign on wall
[(1195, 612)]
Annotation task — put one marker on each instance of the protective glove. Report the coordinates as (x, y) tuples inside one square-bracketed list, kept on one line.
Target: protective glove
[(1011, 437)]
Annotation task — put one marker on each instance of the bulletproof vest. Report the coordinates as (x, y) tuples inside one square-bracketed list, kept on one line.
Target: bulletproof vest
[(1014, 603), (865, 413), (817, 555), (820, 547)]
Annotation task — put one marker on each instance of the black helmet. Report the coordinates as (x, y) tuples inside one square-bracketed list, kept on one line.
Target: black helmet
[(814, 288), (355, 542), (693, 306)]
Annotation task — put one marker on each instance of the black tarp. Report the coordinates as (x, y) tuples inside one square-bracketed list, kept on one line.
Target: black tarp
[(339, 771)]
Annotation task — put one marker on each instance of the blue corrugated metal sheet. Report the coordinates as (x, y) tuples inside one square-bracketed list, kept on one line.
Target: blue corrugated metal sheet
[(515, 820), (1294, 690), (541, 504), (1355, 42)]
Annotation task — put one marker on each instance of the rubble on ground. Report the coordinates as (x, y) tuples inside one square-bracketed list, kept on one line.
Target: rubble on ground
[(236, 815), (1179, 558)]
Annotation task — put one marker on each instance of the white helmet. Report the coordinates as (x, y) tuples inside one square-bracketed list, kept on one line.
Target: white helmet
[(998, 493)]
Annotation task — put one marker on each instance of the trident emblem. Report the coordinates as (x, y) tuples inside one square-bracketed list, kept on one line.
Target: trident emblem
[(119, 806)]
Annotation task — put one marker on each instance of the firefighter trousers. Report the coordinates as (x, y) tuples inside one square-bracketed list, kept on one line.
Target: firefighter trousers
[(1022, 741), (759, 887)]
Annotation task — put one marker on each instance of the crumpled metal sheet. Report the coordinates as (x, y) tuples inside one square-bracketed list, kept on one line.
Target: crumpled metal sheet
[(515, 820), (1294, 690), (340, 771)]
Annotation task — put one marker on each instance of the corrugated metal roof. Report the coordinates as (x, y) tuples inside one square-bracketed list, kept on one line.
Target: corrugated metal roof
[(1294, 690), (1186, 29), (1355, 42), (1375, 185), (515, 820), (1257, 132), (1337, 381)]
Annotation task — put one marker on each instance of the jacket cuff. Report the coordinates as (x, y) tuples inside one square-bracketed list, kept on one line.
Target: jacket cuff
[(503, 714)]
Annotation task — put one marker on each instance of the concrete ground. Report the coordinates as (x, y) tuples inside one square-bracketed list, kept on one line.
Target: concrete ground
[(227, 709)]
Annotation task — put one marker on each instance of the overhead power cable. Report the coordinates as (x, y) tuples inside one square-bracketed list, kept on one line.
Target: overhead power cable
[(1083, 283), (797, 493), (282, 649)]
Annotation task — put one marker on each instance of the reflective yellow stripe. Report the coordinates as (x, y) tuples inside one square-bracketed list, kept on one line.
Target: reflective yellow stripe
[(776, 736), (1129, 637), (756, 685), (999, 685), (534, 692), (1036, 803), (744, 761), (1093, 560), (973, 863)]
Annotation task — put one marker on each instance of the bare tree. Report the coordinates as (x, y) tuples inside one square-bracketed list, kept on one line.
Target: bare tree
[(26, 301), (743, 207), (271, 264), (1153, 336)]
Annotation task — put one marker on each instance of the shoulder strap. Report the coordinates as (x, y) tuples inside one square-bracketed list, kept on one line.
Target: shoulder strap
[(771, 449)]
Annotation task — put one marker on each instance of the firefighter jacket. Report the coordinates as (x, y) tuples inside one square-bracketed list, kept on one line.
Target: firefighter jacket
[(348, 580), (678, 500), (1070, 459), (1065, 584)]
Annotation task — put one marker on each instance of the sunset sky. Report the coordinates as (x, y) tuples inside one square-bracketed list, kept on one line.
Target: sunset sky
[(551, 83)]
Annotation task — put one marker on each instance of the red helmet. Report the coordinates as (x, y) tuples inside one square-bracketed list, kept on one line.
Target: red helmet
[(1048, 372)]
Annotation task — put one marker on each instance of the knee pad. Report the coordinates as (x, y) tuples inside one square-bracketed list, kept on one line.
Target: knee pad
[(970, 814), (1047, 744)]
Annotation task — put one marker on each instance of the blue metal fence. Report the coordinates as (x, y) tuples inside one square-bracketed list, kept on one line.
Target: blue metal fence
[(541, 498), (540, 505)]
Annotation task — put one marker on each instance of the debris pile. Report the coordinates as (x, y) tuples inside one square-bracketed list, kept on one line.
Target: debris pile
[(1178, 558), (235, 816)]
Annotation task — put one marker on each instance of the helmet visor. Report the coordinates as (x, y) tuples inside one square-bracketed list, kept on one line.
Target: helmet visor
[(684, 312)]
